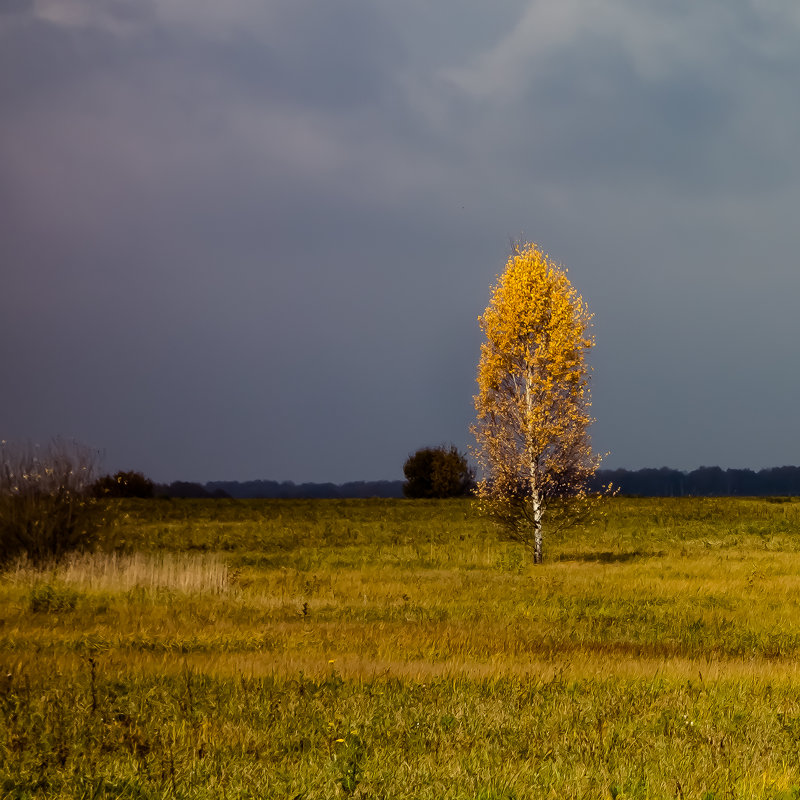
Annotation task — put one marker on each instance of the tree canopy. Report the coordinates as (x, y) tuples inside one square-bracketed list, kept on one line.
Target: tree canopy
[(438, 472)]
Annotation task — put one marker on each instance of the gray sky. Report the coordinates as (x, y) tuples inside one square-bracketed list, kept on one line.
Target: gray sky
[(251, 239)]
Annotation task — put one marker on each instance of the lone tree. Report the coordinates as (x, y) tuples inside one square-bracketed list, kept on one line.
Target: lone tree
[(438, 472), (533, 403)]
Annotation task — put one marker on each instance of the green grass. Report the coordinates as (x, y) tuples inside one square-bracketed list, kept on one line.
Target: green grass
[(399, 649)]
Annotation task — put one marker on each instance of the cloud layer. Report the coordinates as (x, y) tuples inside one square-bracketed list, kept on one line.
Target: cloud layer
[(251, 240)]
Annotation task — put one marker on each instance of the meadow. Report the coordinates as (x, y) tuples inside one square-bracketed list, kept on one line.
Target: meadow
[(400, 649)]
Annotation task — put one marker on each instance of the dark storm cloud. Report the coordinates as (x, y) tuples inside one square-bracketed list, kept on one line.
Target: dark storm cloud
[(605, 107), (250, 240)]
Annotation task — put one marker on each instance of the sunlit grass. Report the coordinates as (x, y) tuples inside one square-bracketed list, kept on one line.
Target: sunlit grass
[(227, 646)]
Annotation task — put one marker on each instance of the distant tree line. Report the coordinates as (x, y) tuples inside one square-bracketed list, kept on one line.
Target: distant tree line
[(286, 490), (663, 482), (189, 490), (703, 482)]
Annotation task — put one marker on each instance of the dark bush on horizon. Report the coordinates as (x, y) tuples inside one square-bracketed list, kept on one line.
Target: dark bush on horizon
[(123, 484), (436, 472), (46, 506)]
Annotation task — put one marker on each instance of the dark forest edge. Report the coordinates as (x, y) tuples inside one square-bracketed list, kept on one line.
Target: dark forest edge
[(280, 490), (663, 482)]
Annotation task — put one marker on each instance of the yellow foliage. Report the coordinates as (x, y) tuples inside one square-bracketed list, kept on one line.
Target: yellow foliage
[(533, 399)]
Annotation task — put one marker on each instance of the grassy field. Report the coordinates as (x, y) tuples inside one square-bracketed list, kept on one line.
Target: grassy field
[(399, 649)]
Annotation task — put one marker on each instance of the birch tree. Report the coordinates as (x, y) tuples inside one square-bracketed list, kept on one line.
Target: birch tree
[(533, 400)]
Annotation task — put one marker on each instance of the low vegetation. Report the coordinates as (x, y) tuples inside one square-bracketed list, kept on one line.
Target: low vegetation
[(46, 506), (398, 649)]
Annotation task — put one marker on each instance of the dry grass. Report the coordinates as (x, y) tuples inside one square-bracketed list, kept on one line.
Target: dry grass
[(113, 572)]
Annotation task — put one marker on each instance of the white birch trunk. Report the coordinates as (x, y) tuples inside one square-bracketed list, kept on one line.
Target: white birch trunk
[(537, 528), (536, 495)]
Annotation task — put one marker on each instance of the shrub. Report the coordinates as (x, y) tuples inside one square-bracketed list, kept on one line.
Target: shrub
[(123, 484), (49, 597), (438, 472), (46, 508)]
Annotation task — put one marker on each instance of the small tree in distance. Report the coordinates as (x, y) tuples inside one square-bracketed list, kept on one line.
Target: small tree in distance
[(438, 472), (533, 420), (124, 484)]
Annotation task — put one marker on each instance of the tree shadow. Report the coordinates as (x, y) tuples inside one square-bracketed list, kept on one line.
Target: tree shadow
[(609, 557)]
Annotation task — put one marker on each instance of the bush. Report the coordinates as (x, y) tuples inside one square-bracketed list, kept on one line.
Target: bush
[(438, 472), (46, 507), (123, 484), (49, 597)]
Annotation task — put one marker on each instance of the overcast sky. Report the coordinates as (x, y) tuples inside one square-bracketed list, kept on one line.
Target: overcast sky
[(251, 239)]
